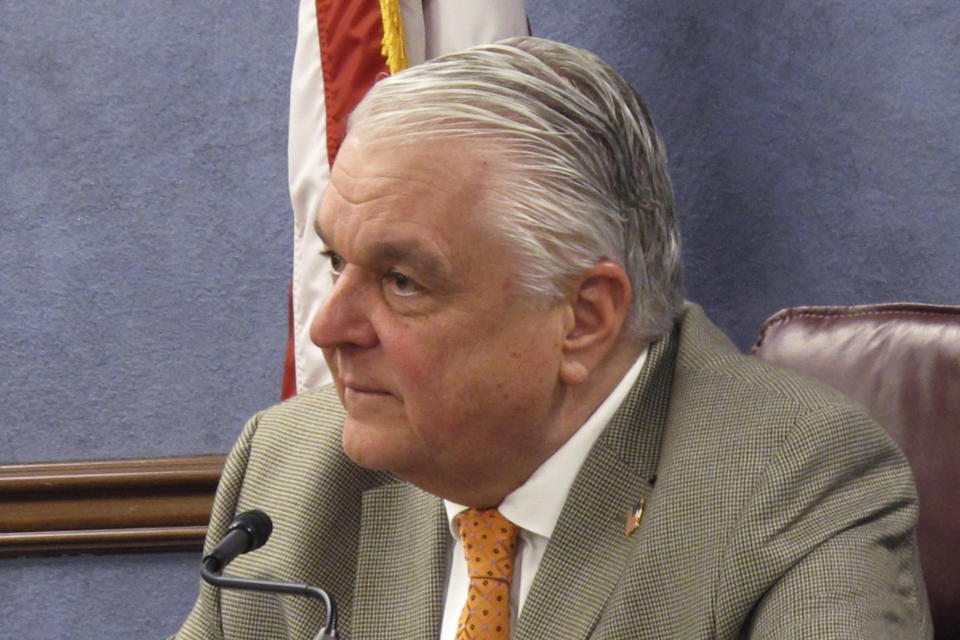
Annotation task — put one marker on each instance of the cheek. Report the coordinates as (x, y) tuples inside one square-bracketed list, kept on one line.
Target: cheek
[(532, 364), (472, 371), (441, 379), (417, 363)]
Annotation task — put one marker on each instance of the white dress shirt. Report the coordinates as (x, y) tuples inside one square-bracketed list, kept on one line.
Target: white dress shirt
[(534, 507)]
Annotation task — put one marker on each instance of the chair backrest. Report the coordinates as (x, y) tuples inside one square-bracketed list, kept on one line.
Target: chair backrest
[(902, 362)]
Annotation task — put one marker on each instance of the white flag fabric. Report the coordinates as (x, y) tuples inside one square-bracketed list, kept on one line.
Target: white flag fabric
[(430, 28)]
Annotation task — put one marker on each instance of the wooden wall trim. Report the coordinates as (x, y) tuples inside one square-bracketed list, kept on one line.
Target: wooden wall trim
[(106, 506)]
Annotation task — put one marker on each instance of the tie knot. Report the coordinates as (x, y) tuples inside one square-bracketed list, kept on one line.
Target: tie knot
[(489, 543)]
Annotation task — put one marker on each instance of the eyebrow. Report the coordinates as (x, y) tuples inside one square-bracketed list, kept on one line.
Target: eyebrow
[(407, 251)]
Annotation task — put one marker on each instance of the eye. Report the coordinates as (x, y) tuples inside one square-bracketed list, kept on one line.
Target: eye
[(336, 262), (401, 285)]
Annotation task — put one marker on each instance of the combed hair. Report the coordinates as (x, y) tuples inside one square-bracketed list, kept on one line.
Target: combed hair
[(585, 177)]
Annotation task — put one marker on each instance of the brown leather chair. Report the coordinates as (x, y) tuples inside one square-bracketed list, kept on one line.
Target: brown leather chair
[(901, 361)]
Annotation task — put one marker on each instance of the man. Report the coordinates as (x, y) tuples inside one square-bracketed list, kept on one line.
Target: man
[(512, 357)]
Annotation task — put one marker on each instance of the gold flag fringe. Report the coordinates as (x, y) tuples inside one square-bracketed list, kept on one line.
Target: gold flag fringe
[(393, 48)]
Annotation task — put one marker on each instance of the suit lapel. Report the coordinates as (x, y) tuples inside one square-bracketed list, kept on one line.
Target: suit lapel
[(401, 569), (589, 547)]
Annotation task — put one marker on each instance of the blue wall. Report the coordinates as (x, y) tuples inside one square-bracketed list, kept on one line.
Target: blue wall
[(145, 231), (815, 146), (96, 597), (146, 227)]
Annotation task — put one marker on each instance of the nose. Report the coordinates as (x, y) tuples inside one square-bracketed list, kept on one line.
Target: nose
[(344, 318)]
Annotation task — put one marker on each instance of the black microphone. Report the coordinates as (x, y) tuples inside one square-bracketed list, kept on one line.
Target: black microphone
[(247, 532)]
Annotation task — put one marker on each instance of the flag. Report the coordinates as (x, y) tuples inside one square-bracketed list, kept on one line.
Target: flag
[(343, 47)]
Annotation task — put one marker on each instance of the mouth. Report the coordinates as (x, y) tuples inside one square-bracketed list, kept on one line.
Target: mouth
[(354, 387)]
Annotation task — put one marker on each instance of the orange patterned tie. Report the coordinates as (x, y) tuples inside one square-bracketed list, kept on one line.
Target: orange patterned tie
[(489, 544)]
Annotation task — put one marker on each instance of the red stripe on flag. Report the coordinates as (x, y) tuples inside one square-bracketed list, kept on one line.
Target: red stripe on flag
[(289, 387), (351, 35)]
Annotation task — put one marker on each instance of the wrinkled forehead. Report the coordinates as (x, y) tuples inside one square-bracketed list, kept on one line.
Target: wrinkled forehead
[(440, 183)]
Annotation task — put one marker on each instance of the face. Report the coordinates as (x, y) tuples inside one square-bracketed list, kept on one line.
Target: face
[(441, 365)]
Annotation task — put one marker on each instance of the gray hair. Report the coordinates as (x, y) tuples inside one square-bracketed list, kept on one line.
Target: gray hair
[(586, 176)]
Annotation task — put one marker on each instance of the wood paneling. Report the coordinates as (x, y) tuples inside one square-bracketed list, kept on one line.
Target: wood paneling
[(106, 506)]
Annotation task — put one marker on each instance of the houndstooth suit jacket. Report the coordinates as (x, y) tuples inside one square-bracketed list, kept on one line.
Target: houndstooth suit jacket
[(774, 509)]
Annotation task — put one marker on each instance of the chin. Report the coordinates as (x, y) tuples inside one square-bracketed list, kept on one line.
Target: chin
[(370, 447)]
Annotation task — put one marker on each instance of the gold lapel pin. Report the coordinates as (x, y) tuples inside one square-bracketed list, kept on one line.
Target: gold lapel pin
[(634, 516)]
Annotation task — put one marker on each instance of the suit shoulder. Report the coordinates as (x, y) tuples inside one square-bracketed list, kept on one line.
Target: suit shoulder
[(707, 359), (721, 397), (740, 423)]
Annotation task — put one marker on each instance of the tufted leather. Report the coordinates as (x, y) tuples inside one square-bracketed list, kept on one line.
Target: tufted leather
[(901, 361)]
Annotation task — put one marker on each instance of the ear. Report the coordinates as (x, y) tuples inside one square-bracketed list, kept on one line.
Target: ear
[(599, 305)]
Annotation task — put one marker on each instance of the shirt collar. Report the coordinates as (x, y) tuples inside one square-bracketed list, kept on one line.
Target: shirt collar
[(536, 504)]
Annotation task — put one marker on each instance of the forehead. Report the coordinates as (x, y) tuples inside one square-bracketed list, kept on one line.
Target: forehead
[(407, 191)]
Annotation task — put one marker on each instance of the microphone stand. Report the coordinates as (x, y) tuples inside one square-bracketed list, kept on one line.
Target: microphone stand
[(211, 572)]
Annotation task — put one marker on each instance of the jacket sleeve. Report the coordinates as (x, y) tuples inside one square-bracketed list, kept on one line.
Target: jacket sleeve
[(827, 543)]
